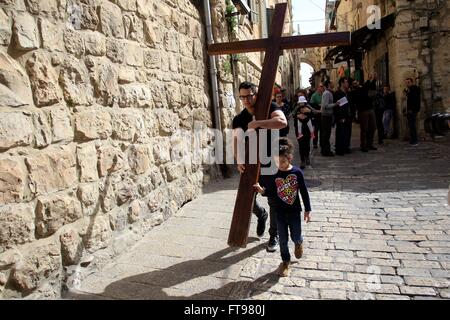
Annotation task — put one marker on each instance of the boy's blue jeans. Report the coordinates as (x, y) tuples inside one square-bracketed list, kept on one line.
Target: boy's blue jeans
[(288, 222)]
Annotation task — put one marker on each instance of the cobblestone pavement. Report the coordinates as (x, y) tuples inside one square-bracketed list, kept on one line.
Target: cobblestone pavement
[(380, 230)]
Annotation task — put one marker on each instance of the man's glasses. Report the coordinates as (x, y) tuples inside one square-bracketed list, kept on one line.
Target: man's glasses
[(248, 97)]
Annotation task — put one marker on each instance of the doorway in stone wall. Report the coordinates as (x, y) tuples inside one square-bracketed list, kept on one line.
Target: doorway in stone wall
[(382, 70)]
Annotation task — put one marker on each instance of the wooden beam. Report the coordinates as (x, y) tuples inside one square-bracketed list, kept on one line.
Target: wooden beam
[(316, 40), (293, 42), (238, 47)]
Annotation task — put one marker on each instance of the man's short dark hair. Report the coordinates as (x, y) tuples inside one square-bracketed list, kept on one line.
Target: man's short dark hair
[(326, 83), (248, 85)]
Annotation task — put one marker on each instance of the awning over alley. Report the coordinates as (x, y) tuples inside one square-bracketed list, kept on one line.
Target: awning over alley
[(362, 39)]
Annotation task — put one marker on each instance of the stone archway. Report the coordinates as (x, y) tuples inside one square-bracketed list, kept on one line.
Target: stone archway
[(306, 70), (312, 58), (310, 63)]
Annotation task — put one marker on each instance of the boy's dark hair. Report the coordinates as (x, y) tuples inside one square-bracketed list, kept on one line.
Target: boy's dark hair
[(248, 85), (286, 147)]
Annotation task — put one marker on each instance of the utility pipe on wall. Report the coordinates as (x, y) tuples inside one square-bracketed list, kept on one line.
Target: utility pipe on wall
[(212, 67)]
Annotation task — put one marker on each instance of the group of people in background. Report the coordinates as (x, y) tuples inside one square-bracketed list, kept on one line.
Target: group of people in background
[(317, 112)]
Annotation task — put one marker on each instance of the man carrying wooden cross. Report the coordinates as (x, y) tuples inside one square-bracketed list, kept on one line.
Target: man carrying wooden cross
[(272, 46), (245, 121)]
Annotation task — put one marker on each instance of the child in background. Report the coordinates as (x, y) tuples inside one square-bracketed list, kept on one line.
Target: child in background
[(282, 190), (308, 121), (304, 130)]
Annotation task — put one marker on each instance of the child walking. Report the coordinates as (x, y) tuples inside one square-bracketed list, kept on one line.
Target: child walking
[(302, 102), (304, 131), (282, 191)]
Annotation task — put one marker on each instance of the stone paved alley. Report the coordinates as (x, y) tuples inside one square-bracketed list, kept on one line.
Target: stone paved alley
[(380, 230)]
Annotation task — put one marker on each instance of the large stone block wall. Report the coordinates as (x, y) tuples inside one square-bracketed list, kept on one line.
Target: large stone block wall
[(244, 67), (93, 96), (421, 52)]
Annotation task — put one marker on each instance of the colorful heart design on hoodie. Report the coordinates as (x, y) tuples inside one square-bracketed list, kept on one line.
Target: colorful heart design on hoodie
[(287, 189)]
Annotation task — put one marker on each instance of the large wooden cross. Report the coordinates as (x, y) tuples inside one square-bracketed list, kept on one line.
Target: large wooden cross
[(273, 46)]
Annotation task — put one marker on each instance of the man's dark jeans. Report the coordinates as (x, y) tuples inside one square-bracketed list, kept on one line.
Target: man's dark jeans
[(288, 221), (412, 117), (304, 147), (317, 121), (325, 134), (341, 137), (368, 125), (260, 212)]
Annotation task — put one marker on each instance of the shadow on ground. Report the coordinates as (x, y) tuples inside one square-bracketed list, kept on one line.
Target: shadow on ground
[(167, 284)]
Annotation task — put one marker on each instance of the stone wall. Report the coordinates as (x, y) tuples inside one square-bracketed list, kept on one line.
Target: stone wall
[(421, 37), (235, 69), (92, 96)]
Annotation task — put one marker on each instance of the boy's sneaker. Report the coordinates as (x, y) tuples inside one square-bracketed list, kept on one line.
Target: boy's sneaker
[(298, 252), (283, 269), (261, 226), (272, 244)]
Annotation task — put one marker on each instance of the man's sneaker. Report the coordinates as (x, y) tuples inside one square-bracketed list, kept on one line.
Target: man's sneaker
[(261, 226), (298, 250), (272, 244), (283, 269)]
